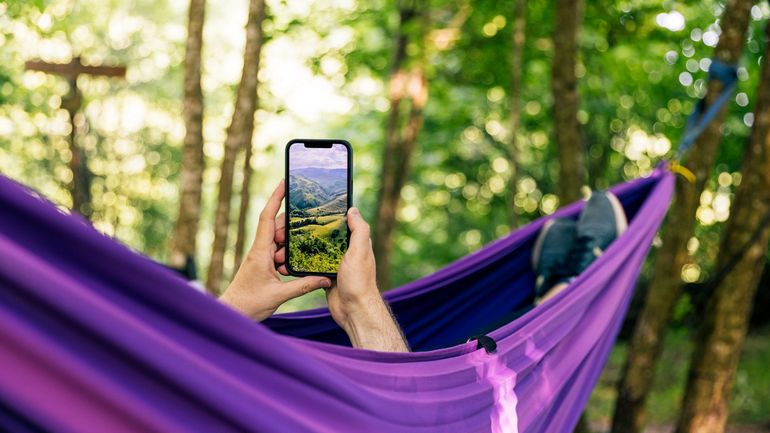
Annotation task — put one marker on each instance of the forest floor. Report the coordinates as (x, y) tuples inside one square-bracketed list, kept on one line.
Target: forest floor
[(735, 428), (750, 403)]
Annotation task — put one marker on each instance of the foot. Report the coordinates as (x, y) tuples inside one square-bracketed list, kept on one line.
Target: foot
[(553, 291), (600, 223), (552, 247)]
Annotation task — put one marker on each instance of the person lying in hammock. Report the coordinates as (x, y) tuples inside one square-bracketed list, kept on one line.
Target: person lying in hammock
[(354, 301), (565, 247)]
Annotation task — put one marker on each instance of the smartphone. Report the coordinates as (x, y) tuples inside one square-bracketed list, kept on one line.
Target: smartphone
[(318, 196)]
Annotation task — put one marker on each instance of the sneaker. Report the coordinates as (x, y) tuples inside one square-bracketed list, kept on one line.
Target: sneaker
[(600, 223), (551, 249)]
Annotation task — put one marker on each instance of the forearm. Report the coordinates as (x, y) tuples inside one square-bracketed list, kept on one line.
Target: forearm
[(374, 328)]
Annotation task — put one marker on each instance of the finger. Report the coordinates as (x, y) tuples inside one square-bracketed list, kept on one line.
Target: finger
[(283, 271), (280, 229), (280, 256), (359, 231), (266, 227), (304, 285)]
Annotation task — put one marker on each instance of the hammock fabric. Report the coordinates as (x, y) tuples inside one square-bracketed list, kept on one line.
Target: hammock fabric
[(97, 338)]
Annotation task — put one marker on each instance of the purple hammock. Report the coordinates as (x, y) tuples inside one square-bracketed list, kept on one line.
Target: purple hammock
[(97, 338)]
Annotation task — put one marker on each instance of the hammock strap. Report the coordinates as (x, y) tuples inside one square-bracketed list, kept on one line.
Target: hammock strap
[(487, 343), (681, 170), (696, 124), (702, 115)]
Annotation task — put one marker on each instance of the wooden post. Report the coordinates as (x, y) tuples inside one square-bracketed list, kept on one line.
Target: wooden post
[(80, 186)]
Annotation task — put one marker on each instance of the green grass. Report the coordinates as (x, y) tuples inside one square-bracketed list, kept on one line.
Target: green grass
[(750, 402), (338, 205), (317, 243), (327, 224), (337, 223)]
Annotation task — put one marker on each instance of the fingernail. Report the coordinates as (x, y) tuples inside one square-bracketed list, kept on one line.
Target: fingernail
[(326, 282), (353, 210)]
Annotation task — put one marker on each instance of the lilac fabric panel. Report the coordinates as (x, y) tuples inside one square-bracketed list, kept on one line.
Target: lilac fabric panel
[(95, 338)]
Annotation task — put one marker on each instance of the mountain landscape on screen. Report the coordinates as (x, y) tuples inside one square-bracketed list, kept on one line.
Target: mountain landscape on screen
[(318, 202), (317, 187)]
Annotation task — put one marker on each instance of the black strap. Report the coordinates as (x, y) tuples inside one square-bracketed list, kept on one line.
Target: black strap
[(188, 271), (483, 341)]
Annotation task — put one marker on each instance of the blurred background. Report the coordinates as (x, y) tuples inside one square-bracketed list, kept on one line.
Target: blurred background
[(452, 108)]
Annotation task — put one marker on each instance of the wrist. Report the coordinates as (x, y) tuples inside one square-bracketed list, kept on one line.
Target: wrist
[(362, 311), (373, 327), (362, 301), (231, 301)]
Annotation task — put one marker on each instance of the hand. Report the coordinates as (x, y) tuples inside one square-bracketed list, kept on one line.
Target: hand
[(256, 290), (356, 286), (355, 302)]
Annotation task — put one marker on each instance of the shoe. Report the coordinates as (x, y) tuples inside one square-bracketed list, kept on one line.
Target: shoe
[(551, 251), (600, 223)]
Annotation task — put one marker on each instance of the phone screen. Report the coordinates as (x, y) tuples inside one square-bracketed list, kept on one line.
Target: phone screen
[(317, 202)]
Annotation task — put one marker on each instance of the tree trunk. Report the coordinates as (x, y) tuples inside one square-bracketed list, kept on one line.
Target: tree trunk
[(517, 64), (720, 337), (239, 135), (80, 185), (408, 93), (568, 16), (243, 211), (665, 286), (186, 228)]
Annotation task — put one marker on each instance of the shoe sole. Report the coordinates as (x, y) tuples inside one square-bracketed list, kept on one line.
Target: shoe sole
[(539, 243), (621, 222)]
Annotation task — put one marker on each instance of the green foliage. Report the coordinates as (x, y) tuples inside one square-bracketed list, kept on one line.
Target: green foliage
[(638, 83), (315, 244), (128, 131), (457, 198), (751, 391), (297, 223), (19, 8)]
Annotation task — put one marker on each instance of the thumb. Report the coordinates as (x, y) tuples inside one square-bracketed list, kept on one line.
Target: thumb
[(359, 230), (304, 285)]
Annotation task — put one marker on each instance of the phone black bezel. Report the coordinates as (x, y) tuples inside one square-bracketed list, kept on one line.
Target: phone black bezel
[(322, 143)]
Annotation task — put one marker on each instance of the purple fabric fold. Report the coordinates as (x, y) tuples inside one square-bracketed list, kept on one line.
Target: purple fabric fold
[(95, 337)]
